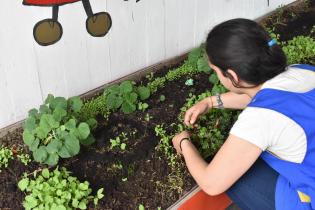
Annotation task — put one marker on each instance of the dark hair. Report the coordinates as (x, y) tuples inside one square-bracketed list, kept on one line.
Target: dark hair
[(242, 45)]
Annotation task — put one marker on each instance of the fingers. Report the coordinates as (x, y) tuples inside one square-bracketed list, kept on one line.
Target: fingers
[(187, 118), (191, 117)]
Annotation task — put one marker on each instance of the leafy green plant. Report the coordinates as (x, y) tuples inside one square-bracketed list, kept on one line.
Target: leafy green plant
[(165, 145), (119, 141), (142, 106), (57, 190), (94, 107), (24, 158), (6, 155), (54, 130), (300, 49), (125, 96), (157, 83)]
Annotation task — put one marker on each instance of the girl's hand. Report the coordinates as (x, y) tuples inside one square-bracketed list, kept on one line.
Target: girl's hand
[(193, 113), (176, 140)]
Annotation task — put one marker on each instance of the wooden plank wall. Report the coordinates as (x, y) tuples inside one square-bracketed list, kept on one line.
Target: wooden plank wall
[(142, 34)]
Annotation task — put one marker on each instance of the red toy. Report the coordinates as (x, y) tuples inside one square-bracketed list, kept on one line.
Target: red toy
[(49, 31)]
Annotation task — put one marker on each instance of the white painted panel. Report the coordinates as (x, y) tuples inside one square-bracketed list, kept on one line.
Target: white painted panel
[(187, 25), (172, 20), (156, 30), (98, 52), (138, 42), (119, 38), (203, 24), (142, 34), (17, 59), (73, 17)]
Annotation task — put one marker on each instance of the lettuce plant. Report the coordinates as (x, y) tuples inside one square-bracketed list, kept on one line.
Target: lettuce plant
[(57, 190)]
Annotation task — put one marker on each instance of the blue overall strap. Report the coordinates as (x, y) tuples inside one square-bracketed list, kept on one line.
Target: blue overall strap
[(294, 178), (304, 66)]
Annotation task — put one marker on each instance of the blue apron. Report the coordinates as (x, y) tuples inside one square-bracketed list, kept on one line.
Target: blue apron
[(295, 189)]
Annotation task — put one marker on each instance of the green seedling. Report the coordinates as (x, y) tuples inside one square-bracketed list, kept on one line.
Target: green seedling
[(57, 190), (6, 155), (189, 82), (142, 106), (162, 98)]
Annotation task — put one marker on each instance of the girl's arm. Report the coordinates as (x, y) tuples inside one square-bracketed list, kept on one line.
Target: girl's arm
[(232, 100), (234, 158)]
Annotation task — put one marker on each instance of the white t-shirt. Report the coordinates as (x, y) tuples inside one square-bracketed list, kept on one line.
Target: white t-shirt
[(271, 130)]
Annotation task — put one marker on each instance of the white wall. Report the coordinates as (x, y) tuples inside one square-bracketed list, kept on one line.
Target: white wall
[(142, 34)]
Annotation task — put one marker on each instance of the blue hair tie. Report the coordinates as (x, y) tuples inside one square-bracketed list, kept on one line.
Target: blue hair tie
[(272, 42)]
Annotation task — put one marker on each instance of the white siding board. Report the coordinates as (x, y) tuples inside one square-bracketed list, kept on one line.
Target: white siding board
[(142, 34)]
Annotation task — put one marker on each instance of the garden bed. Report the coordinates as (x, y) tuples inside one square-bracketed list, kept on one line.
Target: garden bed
[(142, 172)]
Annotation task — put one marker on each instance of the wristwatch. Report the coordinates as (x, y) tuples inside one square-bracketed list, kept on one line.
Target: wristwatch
[(219, 101)]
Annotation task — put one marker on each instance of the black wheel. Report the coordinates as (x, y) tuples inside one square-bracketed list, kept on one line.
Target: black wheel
[(99, 24), (47, 32)]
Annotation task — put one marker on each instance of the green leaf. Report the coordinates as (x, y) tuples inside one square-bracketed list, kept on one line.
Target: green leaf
[(28, 137), (47, 121), (162, 98), (189, 82), (52, 159), (83, 186), (40, 154), (76, 103), (23, 184), (92, 123), (49, 99), (214, 79), (88, 141), (60, 102), (34, 145), (64, 153), (71, 124), (83, 130), (131, 98), (54, 146), (33, 113), (100, 194), (82, 205), (59, 113), (44, 109), (114, 89), (30, 124), (45, 173), (194, 55), (123, 146), (30, 202), (128, 107), (143, 92), (202, 64), (113, 101), (141, 207), (126, 87), (75, 203), (72, 144)]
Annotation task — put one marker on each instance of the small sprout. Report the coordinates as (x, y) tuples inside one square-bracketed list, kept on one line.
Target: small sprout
[(141, 207), (6, 155), (189, 82), (142, 106), (123, 146), (24, 158), (162, 98), (124, 179), (147, 117)]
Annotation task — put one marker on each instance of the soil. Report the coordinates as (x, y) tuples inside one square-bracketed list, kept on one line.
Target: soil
[(293, 21), (146, 170)]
